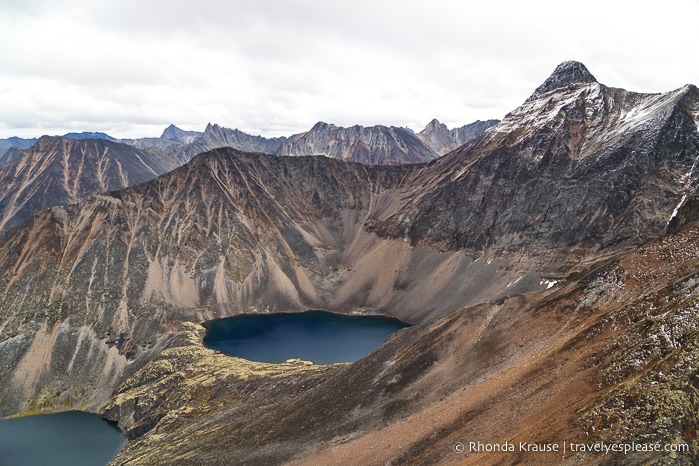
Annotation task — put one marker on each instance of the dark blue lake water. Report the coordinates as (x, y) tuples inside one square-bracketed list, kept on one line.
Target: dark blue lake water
[(318, 336), (64, 439)]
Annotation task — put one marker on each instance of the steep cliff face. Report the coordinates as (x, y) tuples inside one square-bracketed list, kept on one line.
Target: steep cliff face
[(57, 171), (443, 140)]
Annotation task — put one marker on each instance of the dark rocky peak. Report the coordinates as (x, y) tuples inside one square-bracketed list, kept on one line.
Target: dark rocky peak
[(565, 74), (214, 129), (171, 132), (45, 141)]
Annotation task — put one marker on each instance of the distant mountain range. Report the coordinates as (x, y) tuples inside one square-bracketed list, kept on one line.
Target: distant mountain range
[(39, 173), (89, 135), (376, 145)]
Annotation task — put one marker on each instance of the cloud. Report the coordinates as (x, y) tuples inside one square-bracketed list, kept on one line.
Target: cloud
[(269, 67)]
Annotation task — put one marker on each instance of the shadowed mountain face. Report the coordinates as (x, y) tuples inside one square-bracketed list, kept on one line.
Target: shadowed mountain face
[(57, 171), (565, 188)]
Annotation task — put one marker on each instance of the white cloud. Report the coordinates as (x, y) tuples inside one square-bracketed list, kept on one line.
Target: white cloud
[(277, 67)]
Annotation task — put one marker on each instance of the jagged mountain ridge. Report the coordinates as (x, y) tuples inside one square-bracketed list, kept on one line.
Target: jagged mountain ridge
[(57, 171), (443, 140), (376, 145), (216, 136), (379, 145), (112, 276)]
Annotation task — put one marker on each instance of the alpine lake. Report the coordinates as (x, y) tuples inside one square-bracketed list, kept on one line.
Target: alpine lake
[(82, 439), (70, 438), (317, 336)]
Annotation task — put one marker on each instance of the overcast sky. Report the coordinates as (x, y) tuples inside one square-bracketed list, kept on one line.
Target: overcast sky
[(130, 68)]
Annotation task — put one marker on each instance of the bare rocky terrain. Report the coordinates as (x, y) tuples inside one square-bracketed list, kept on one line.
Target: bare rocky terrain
[(374, 145), (57, 171), (549, 265)]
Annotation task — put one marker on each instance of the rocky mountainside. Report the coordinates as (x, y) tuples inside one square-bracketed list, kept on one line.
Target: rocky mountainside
[(58, 171), (181, 146), (11, 154), (579, 166), (16, 143), (443, 140), (605, 358), (376, 145), (175, 134), (216, 136), (520, 255)]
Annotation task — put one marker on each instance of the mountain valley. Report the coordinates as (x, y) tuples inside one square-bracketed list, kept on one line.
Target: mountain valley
[(548, 262)]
